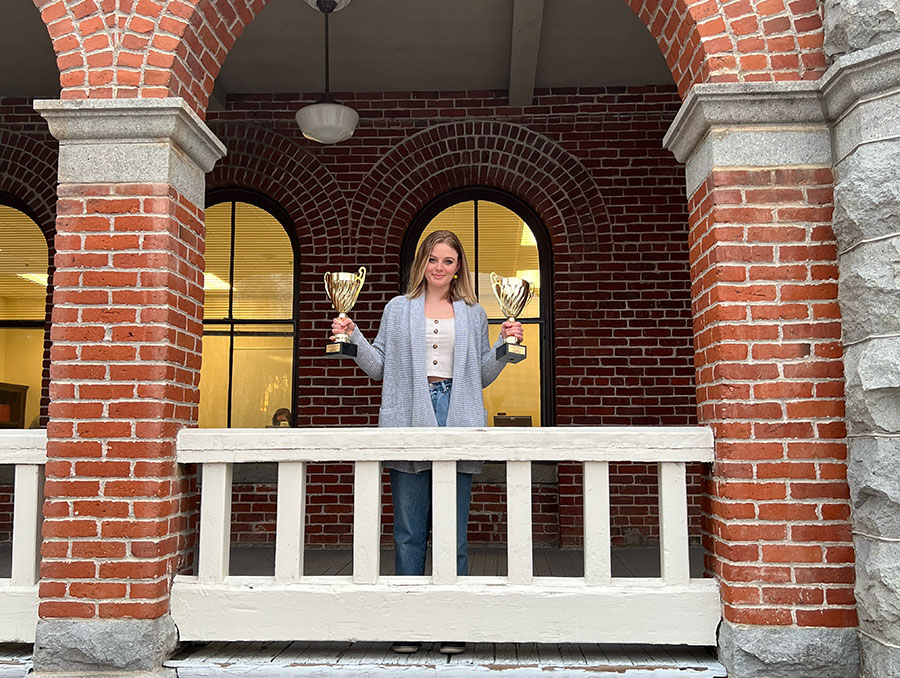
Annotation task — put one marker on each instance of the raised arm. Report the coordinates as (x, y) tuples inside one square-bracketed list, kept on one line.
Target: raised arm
[(370, 357)]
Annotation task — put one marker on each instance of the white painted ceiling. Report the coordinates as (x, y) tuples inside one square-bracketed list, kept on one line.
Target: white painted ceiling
[(388, 45)]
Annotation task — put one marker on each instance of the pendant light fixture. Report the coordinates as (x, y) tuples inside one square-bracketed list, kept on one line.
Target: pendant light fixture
[(327, 121)]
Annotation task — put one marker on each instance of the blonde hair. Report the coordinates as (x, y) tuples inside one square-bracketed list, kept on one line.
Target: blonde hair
[(460, 287)]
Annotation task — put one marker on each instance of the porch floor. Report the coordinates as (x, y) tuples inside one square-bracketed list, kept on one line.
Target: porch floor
[(375, 660)]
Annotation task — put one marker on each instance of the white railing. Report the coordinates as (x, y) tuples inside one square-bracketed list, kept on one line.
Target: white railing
[(670, 609), (27, 451)]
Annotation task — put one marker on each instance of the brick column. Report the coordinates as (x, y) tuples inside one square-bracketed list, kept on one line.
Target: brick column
[(769, 376), (862, 91), (125, 368)]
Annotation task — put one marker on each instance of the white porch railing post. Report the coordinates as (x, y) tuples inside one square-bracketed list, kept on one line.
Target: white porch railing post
[(290, 521), (597, 559), (27, 510), (673, 523), (518, 508), (215, 523), (366, 521), (443, 522)]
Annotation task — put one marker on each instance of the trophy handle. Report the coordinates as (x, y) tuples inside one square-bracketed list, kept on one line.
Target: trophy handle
[(361, 276), (494, 278), (532, 290), (325, 278)]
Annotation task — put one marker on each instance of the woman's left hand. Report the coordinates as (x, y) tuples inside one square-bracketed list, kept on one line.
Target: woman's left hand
[(512, 329)]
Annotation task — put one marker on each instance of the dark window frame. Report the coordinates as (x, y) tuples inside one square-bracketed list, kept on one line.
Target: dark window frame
[(545, 259), (262, 201)]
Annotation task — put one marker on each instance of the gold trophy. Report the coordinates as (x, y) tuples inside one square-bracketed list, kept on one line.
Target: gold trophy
[(513, 295), (343, 290)]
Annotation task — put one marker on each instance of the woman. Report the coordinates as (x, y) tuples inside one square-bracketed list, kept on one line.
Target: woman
[(433, 355)]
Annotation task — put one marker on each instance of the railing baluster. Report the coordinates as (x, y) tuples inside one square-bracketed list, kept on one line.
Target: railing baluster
[(26, 540), (443, 522), (215, 523), (366, 521), (290, 521), (673, 523), (518, 508), (597, 559)]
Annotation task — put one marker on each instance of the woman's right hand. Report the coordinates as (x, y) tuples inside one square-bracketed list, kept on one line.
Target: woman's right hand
[(342, 326)]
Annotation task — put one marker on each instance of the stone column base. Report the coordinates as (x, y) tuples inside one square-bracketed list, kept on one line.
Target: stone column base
[(878, 660), (84, 648), (788, 651)]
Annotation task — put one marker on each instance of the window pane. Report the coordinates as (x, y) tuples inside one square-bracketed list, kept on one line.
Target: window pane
[(23, 267), (263, 266), (21, 360), (218, 253), (460, 219), (517, 391), (214, 379), (506, 247), (262, 374)]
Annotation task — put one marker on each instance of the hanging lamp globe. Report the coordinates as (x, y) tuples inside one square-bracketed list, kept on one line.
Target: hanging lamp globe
[(327, 121)]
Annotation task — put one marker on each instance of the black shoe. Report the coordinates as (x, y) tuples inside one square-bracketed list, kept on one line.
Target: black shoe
[(405, 647), (452, 648)]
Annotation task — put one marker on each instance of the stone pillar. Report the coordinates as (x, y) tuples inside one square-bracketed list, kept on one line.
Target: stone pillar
[(862, 93), (124, 376), (769, 376), (852, 25)]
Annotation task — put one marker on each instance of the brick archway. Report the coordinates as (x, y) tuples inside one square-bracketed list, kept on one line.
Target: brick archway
[(277, 166), (30, 176), (483, 153), (177, 47)]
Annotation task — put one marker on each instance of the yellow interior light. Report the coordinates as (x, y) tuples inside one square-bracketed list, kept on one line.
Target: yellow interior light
[(38, 278), (212, 282), (532, 275), (527, 239)]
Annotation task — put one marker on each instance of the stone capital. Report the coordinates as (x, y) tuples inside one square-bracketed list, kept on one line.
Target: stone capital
[(112, 141), (778, 124), (861, 92)]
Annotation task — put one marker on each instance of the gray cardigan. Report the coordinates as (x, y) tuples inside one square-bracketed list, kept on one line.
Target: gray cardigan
[(397, 357)]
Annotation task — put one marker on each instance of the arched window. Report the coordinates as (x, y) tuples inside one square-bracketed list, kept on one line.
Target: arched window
[(23, 310), (501, 234), (249, 326)]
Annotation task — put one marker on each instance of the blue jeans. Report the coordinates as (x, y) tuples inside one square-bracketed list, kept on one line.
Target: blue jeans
[(411, 495)]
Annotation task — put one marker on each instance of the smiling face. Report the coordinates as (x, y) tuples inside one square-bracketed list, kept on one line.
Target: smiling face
[(442, 265)]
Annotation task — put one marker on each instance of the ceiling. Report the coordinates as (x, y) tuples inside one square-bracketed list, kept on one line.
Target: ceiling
[(396, 45)]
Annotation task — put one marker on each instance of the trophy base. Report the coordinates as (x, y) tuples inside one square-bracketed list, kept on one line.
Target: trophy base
[(340, 349), (510, 353)]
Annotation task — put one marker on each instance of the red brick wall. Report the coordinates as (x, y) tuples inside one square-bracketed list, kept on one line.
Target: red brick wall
[(589, 162), (329, 523), (126, 365), (770, 382)]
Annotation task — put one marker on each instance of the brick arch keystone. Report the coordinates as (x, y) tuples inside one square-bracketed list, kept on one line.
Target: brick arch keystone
[(278, 167), (501, 155), (177, 47)]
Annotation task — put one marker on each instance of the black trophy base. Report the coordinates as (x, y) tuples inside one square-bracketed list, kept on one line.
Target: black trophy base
[(340, 349), (509, 353)]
